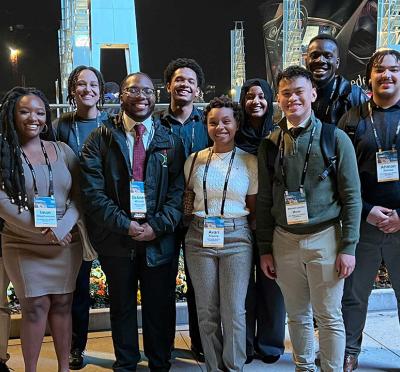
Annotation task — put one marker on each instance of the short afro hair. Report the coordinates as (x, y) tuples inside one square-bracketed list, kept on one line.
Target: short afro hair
[(225, 101), (182, 63), (324, 37), (137, 73)]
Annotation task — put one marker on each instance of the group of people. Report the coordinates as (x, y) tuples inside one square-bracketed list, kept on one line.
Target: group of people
[(278, 212)]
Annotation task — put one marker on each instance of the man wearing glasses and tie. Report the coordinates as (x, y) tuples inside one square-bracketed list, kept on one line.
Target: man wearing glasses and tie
[(133, 204)]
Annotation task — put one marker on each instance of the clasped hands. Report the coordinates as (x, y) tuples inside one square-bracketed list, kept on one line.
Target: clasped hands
[(141, 233), (386, 220), (52, 238)]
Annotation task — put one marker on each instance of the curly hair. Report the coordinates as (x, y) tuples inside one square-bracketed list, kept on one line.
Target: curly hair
[(377, 58), (293, 72), (73, 79), (182, 63), (11, 171), (225, 101)]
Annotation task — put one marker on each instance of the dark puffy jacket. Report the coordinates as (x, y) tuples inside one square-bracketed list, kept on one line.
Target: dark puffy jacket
[(106, 172), (346, 96)]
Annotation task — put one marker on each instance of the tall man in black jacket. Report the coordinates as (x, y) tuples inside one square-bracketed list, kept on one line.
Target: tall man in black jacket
[(335, 94), (132, 186), (374, 127)]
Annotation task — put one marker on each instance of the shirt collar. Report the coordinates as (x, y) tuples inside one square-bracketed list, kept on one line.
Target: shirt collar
[(301, 125), (129, 123), (396, 106), (169, 116)]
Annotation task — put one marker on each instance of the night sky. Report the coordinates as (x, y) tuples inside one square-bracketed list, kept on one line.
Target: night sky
[(167, 29)]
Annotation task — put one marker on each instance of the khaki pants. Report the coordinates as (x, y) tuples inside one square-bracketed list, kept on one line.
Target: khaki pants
[(306, 274), (4, 313)]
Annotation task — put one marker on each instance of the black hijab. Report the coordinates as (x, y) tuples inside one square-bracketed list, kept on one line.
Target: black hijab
[(248, 138)]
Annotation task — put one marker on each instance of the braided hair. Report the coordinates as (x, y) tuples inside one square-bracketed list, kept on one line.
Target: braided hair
[(12, 179), (73, 79)]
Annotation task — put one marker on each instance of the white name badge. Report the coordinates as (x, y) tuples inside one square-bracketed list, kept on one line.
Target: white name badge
[(387, 166), (213, 234), (296, 207), (45, 212), (138, 199)]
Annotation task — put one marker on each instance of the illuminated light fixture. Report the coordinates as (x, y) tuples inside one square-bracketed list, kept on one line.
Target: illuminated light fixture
[(14, 55)]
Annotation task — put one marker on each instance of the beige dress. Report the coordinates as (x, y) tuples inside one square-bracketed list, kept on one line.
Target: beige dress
[(34, 266)]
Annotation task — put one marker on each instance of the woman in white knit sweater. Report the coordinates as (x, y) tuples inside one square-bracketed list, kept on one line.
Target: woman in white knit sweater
[(219, 240)]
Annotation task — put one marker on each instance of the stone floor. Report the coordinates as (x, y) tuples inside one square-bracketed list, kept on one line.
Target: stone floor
[(381, 351)]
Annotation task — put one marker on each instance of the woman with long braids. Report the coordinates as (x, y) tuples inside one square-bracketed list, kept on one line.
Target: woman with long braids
[(39, 202), (86, 95)]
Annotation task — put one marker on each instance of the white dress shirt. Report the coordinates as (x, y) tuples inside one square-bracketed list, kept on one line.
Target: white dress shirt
[(303, 124), (129, 125)]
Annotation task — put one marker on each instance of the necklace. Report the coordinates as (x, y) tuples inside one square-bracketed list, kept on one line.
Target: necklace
[(225, 155)]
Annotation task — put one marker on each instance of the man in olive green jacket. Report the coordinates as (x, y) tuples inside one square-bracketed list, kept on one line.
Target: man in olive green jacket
[(307, 224)]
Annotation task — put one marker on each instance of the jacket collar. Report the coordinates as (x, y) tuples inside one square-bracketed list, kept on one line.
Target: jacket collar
[(160, 140), (344, 86)]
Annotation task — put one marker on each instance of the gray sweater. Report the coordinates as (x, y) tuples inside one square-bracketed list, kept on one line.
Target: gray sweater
[(337, 198)]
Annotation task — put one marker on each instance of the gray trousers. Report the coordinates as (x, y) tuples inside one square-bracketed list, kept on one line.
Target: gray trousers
[(220, 277), (374, 246), (4, 313)]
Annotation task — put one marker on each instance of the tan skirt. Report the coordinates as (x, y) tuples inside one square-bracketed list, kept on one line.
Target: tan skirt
[(38, 269)]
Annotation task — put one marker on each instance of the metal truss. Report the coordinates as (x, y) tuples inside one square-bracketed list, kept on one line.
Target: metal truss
[(388, 23), (238, 64), (292, 33)]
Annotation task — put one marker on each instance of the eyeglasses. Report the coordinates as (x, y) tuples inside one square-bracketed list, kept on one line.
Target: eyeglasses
[(135, 91)]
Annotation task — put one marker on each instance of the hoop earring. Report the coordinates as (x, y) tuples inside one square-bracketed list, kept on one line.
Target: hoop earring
[(45, 129)]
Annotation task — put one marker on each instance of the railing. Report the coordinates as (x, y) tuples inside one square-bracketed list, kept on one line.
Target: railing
[(58, 108)]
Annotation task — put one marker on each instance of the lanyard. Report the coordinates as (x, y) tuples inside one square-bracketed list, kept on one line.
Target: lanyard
[(225, 184), (377, 139), (46, 158), (330, 101), (281, 153), (78, 140), (192, 145)]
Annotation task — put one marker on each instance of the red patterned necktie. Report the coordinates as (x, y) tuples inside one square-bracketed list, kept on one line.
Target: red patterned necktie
[(139, 153)]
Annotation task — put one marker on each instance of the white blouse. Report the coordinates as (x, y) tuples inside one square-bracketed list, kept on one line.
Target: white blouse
[(243, 181)]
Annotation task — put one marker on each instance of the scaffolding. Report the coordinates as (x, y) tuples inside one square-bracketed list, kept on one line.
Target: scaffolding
[(292, 33), (65, 42), (238, 64), (388, 23), (74, 33), (83, 36)]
